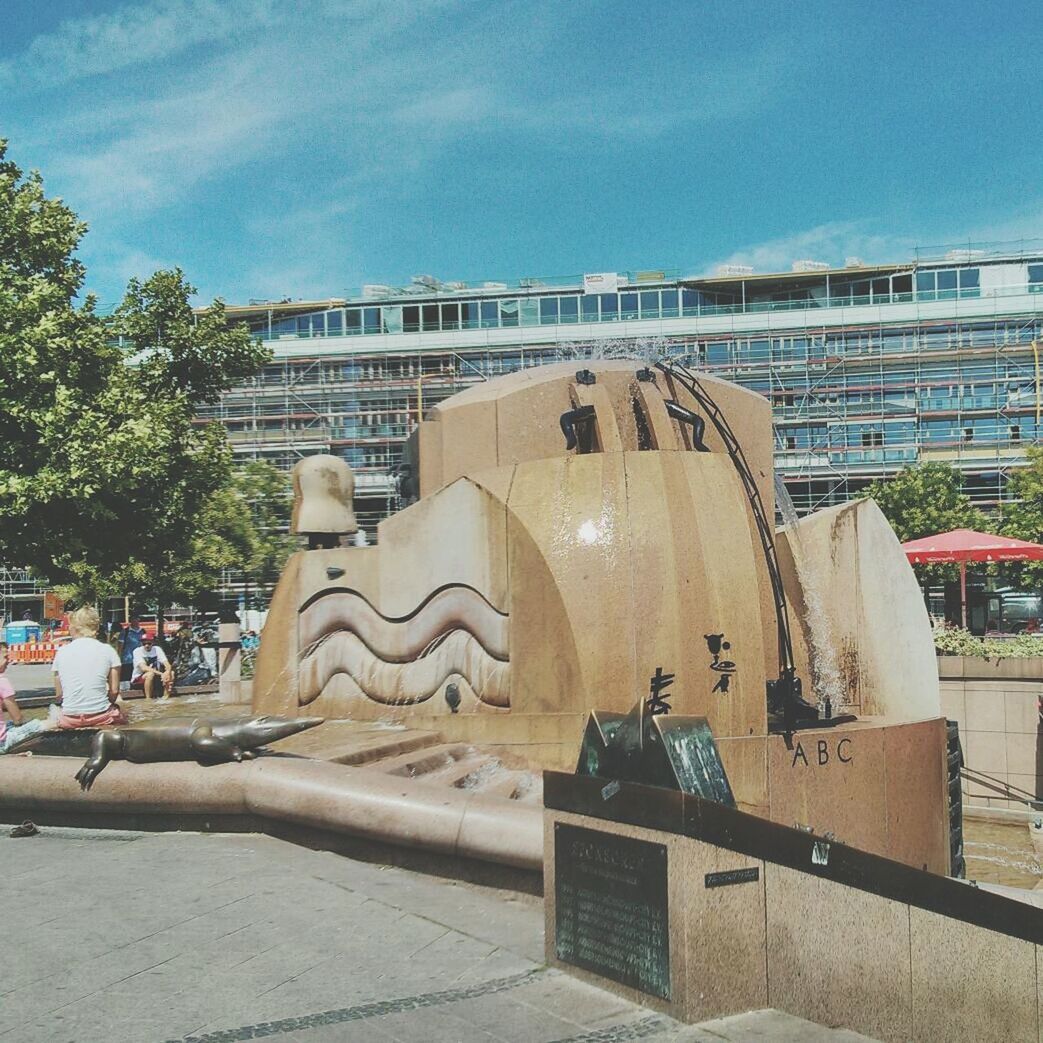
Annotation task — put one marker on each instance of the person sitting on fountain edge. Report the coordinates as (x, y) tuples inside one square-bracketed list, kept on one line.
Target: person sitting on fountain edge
[(19, 728), (152, 671), (87, 676)]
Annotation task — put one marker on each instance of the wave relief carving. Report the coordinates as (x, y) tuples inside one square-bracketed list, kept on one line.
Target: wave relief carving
[(405, 660)]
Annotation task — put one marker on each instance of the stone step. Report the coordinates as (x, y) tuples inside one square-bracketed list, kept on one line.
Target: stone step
[(383, 747), (505, 783), (466, 773), (421, 762), (348, 742)]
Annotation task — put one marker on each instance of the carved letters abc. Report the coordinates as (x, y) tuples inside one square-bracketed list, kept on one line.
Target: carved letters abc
[(822, 752)]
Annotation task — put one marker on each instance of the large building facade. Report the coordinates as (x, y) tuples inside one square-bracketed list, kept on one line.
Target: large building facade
[(868, 368)]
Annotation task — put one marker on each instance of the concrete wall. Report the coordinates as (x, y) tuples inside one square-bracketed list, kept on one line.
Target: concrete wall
[(824, 950), (999, 727)]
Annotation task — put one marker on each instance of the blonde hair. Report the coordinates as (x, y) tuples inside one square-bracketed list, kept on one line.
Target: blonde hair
[(84, 622)]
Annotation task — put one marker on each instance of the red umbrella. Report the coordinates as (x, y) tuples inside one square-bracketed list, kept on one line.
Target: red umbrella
[(965, 545)]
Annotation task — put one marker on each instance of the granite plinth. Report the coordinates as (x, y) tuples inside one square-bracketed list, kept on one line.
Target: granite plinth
[(762, 914)]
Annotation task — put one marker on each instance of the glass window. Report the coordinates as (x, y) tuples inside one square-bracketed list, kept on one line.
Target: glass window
[(451, 316), (946, 283), (969, 282), (1035, 278), (490, 314), (690, 301), (589, 305), (610, 305), (669, 303), (548, 311), (429, 314), (371, 320), (353, 320), (334, 323), (650, 304), (508, 313), (530, 311), (411, 318), (628, 305), (469, 315), (569, 309), (392, 316), (860, 289), (881, 289)]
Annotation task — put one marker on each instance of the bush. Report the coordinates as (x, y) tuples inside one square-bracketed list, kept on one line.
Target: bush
[(957, 641)]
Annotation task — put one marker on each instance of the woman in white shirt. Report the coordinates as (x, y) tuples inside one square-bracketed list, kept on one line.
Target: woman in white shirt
[(87, 676)]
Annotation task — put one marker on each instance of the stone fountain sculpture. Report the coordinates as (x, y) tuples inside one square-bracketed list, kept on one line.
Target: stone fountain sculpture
[(575, 530)]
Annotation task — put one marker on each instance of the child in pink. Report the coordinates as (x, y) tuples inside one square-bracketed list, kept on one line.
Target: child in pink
[(19, 728)]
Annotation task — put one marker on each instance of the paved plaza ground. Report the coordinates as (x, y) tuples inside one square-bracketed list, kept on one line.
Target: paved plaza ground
[(186, 937), (177, 936)]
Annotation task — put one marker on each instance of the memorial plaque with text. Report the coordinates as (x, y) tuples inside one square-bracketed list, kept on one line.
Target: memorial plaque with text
[(611, 907)]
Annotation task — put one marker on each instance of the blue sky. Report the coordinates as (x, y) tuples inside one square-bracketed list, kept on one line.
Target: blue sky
[(299, 149)]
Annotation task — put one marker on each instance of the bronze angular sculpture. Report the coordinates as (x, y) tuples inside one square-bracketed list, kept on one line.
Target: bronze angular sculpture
[(208, 741), (654, 749)]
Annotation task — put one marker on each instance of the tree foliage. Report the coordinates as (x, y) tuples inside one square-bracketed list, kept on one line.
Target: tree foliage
[(107, 480), (244, 529), (924, 500), (1023, 518)]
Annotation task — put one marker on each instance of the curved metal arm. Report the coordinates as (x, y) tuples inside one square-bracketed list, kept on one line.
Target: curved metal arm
[(786, 690)]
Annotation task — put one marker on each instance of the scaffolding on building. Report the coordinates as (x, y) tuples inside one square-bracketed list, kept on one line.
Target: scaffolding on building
[(852, 403), (20, 590)]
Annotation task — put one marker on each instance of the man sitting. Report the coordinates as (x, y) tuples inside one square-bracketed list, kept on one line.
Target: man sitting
[(87, 676), (152, 672)]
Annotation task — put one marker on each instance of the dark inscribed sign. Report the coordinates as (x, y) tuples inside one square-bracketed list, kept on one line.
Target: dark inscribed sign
[(611, 907), (733, 876)]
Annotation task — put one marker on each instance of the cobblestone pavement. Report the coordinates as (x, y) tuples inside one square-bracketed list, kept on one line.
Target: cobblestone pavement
[(187, 937)]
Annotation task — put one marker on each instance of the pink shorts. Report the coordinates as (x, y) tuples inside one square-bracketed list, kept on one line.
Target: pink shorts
[(6, 688), (113, 715)]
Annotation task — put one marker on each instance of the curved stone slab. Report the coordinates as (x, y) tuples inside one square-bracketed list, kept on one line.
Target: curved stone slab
[(855, 594)]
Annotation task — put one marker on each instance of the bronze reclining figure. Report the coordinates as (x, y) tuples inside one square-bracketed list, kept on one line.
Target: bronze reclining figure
[(206, 740)]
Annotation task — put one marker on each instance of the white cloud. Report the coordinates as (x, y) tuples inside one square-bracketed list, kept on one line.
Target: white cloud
[(833, 243), (148, 139), (148, 32), (132, 35), (836, 241), (115, 263), (294, 115), (162, 148)]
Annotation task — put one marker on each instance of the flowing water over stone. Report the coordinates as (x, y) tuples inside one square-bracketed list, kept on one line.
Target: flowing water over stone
[(1001, 853), (825, 667)]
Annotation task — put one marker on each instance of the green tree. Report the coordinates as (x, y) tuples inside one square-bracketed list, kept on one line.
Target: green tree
[(1023, 517), (105, 474), (243, 530), (924, 500)]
